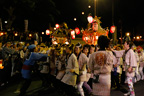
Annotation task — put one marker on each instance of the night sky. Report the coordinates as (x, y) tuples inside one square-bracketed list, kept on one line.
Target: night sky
[(127, 13)]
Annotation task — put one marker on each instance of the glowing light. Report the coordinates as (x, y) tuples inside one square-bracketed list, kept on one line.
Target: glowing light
[(47, 32), (97, 37), (90, 19), (2, 33), (73, 36), (72, 32), (82, 13), (138, 37), (67, 42), (54, 42), (112, 29), (89, 6), (75, 19), (6, 22), (127, 34), (77, 30), (30, 35), (42, 33), (16, 34), (57, 26), (1, 67)]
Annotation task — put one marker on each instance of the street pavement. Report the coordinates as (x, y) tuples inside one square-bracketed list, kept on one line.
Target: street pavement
[(35, 89)]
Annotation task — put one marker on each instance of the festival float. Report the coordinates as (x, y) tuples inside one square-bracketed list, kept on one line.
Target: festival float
[(62, 34), (90, 35)]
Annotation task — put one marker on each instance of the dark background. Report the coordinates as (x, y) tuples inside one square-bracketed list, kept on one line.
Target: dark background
[(128, 14)]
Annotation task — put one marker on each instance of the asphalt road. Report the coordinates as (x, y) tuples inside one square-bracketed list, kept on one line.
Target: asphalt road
[(35, 89)]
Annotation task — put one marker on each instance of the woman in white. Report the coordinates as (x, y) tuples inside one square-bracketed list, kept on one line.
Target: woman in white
[(82, 61), (72, 70)]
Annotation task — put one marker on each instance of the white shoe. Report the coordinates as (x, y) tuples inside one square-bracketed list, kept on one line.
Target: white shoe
[(126, 94)]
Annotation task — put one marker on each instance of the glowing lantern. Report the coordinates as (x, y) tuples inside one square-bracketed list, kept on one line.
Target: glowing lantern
[(77, 30), (67, 42), (112, 29), (96, 37), (72, 32), (47, 32), (1, 33), (73, 36), (90, 19), (1, 67), (16, 34), (54, 42), (30, 35), (57, 26)]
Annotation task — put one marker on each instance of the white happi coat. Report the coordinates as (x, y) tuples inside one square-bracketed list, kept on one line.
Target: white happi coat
[(69, 77), (101, 63), (116, 60), (141, 60), (130, 60), (82, 61)]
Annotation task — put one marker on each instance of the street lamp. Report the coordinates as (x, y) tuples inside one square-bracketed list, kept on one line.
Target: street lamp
[(82, 13), (89, 6), (16, 34), (42, 33), (6, 22), (137, 37), (30, 35), (128, 34), (75, 19)]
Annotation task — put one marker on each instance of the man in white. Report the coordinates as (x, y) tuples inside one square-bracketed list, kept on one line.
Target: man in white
[(130, 64)]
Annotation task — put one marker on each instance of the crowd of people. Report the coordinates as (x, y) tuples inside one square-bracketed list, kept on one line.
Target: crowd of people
[(75, 69)]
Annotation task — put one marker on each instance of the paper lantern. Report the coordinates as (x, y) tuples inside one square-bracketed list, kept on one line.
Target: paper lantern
[(77, 30), (66, 42), (1, 67), (47, 32), (72, 32), (112, 29), (73, 36), (57, 26), (90, 19), (54, 42)]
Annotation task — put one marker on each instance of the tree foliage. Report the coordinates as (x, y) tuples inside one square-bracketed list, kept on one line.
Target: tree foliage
[(39, 13)]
